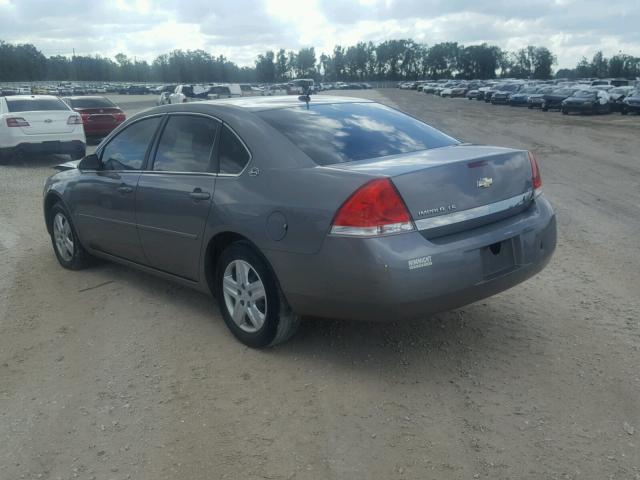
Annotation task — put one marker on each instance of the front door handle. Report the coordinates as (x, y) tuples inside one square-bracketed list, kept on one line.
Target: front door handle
[(125, 188), (198, 195)]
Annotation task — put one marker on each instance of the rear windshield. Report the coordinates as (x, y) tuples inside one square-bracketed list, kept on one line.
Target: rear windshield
[(346, 132), (90, 103), (35, 104)]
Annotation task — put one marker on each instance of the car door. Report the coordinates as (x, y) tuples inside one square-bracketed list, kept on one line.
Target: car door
[(105, 198), (175, 193)]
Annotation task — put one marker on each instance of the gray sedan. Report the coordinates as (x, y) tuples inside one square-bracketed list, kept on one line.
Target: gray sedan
[(283, 207)]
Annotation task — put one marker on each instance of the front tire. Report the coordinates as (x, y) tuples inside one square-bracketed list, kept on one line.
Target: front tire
[(66, 245), (250, 300)]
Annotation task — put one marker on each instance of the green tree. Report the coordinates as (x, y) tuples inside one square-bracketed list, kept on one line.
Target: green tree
[(266, 68), (306, 62), (281, 65), (543, 61), (599, 65)]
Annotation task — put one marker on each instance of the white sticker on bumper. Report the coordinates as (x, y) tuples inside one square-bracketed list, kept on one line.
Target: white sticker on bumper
[(420, 262)]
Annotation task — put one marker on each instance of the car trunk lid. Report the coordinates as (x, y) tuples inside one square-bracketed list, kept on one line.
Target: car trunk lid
[(46, 122), (101, 116), (454, 188)]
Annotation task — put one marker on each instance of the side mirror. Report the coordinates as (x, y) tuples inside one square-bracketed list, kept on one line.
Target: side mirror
[(90, 162)]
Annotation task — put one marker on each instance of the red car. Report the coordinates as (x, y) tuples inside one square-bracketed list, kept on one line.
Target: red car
[(99, 114)]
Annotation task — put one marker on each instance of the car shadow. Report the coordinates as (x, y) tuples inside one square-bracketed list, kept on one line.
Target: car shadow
[(31, 161), (493, 328)]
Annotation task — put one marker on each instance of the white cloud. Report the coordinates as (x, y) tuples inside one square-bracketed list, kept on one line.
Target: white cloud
[(243, 28)]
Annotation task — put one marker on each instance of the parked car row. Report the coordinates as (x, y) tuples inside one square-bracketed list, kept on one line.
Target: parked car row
[(583, 96), (184, 93)]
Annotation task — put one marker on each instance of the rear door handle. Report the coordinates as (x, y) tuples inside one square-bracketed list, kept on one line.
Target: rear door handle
[(125, 188), (198, 195)]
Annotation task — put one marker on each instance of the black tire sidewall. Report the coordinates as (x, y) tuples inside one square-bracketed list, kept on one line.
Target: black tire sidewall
[(264, 336), (78, 260), (79, 153)]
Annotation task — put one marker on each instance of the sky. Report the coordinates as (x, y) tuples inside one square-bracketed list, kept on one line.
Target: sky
[(241, 29)]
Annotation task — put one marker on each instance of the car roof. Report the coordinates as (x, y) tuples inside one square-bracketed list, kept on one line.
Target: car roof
[(257, 104)]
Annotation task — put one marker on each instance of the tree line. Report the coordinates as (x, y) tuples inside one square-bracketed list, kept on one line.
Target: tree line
[(389, 60)]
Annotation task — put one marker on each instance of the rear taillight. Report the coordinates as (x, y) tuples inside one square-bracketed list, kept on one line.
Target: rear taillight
[(17, 122), (74, 120), (119, 117), (85, 117), (374, 209), (535, 174)]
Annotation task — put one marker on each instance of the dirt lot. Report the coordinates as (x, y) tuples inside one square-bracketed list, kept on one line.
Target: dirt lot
[(114, 374)]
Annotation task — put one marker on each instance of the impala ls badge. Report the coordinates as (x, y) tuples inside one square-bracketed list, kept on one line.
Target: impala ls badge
[(48, 120), (484, 182), (438, 210)]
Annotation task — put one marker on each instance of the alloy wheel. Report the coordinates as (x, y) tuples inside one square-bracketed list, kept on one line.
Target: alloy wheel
[(63, 237), (244, 296)]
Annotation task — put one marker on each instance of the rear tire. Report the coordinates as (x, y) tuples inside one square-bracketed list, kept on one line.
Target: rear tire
[(79, 153), (565, 112), (66, 245), (250, 300), (13, 156), (5, 158)]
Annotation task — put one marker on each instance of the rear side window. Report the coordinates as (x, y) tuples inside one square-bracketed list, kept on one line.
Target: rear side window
[(35, 104), (126, 151), (346, 132), (90, 103), (232, 153), (186, 144), (220, 91)]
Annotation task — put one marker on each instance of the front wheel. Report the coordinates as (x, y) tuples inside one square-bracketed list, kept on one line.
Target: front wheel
[(565, 112), (250, 300), (69, 252)]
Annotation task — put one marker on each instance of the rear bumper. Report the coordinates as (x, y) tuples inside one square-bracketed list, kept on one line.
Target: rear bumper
[(75, 148), (97, 129), (553, 105), (578, 108), (371, 279)]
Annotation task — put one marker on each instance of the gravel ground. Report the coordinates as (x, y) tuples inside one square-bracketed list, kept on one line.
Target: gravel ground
[(110, 373)]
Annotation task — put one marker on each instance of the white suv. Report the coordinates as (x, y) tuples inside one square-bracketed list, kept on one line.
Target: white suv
[(39, 124)]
